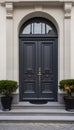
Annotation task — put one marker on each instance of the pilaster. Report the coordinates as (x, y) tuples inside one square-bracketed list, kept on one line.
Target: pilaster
[(9, 41), (67, 40)]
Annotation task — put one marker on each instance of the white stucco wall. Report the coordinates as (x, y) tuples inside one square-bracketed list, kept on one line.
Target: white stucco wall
[(2, 43), (20, 15), (72, 44)]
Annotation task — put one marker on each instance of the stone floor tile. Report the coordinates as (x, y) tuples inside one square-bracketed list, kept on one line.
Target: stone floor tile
[(36, 126)]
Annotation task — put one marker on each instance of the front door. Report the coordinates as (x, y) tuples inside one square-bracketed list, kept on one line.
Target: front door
[(38, 69)]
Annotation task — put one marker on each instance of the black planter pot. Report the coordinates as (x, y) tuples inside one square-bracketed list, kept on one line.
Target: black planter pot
[(6, 102), (69, 103)]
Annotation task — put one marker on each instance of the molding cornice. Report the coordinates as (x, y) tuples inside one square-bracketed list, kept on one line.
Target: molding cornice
[(31, 2), (36, 0), (9, 10), (67, 9)]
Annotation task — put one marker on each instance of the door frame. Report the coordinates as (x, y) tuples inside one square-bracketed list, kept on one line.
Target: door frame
[(39, 37)]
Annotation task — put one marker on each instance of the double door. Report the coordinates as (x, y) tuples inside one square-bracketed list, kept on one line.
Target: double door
[(38, 69)]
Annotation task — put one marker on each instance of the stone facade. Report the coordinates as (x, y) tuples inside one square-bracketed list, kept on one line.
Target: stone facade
[(13, 13)]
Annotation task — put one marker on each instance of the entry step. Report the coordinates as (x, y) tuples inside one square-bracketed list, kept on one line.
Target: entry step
[(27, 112), (21, 119), (34, 112), (52, 105)]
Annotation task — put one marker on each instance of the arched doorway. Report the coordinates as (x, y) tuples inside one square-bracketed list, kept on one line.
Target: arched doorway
[(38, 60)]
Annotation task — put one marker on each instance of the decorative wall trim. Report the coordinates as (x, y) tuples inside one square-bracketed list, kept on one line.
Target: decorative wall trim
[(20, 3), (9, 41), (67, 40), (67, 9), (36, 0), (9, 10)]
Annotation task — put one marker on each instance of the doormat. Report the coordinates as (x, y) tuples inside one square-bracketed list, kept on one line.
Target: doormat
[(38, 102)]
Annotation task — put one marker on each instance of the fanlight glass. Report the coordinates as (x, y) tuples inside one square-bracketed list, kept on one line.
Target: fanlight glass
[(38, 27)]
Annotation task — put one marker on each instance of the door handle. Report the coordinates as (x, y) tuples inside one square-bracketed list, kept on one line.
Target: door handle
[(39, 73)]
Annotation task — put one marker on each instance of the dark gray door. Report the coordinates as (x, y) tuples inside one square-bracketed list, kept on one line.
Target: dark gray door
[(38, 69)]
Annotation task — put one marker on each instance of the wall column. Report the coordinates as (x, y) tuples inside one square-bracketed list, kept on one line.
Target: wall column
[(67, 40), (9, 41)]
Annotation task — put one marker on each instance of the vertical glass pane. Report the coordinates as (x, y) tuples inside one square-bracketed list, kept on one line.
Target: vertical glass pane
[(43, 28), (48, 29), (37, 28), (32, 28), (26, 30)]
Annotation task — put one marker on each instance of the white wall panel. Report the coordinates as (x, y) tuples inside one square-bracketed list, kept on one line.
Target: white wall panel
[(2, 43)]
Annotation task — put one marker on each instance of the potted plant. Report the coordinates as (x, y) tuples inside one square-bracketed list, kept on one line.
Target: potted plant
[(7, 87), (68, 86)]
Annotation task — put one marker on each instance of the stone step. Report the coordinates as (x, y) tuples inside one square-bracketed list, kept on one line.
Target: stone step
[(27, 112), (37, 118), (34, 112), (27, 105)]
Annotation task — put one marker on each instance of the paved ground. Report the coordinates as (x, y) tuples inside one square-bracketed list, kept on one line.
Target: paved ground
[(36, 126)]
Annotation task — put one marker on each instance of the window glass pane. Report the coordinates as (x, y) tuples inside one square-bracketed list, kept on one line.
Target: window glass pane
[(32, 28), (48, 29), (43, 28), (26, 30), (37, 28)]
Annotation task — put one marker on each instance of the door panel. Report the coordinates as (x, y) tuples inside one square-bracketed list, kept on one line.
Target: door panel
[(38, 69), (47, 54), (29, 85), (48, 74)]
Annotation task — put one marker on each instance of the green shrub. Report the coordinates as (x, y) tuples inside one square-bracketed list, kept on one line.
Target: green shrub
[(67, 85), (7, 87)]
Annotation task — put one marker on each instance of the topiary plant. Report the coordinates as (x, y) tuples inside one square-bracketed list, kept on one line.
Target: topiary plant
[(67, 85), (7, 87)]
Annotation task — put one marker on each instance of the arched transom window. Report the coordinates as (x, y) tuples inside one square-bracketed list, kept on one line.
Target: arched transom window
[(38, 26)]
